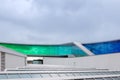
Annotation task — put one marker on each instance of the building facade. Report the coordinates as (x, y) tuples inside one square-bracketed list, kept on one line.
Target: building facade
[(11, 59)]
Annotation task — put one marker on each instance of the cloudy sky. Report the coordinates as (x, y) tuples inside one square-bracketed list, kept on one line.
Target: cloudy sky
[(59, 21)]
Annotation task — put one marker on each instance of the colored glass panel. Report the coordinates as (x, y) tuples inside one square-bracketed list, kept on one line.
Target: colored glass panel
[(46, 50), (104, 47)]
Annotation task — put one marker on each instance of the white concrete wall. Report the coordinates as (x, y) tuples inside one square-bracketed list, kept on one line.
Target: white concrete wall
[(110, 61), (13, 61)]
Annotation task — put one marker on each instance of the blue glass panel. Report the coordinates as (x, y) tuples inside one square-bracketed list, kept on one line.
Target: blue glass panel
[(104, 47)]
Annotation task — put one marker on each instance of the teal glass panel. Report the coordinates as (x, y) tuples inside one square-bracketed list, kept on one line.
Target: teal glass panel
[(45, 50)]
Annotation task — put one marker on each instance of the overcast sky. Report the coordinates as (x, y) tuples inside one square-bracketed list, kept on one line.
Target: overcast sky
[(59, 21)]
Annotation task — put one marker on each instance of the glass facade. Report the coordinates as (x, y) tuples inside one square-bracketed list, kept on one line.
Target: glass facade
[(104, 47), (65, 49), (46, 50)]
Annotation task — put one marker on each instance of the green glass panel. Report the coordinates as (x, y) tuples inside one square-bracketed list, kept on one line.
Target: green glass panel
[(45, 50)]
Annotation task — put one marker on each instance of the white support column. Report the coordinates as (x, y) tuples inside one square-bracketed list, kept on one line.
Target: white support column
[(83, 48)]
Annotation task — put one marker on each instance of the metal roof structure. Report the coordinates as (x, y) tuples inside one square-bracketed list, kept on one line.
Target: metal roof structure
[(54, 72), (60, 75)]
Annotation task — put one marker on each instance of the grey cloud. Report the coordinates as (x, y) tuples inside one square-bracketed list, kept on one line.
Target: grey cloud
[(57, 21)]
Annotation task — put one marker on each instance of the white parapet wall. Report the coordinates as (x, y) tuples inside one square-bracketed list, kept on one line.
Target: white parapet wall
[(109, 61), (14, 61), (11, 59)]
